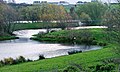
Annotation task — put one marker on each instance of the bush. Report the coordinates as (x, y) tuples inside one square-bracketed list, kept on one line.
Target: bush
[(9, 61), (20, 59), (28, 60), (41, 57), (1, 63), (103, 68), (71, 69), (74, 52), (102, 44)]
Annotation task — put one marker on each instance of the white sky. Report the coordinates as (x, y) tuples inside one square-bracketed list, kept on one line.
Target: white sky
[(70, 1)]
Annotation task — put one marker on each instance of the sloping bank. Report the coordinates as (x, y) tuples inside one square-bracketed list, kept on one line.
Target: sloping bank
[(7, 37), (86, 59)]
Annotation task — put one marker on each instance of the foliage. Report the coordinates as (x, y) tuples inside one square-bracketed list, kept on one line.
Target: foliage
[(112, 20), (95, 10), (41, 57), (88, 37), (74, 52), (71, 69), (73, 14), (103, 68), (7, 37), (8, 61), (21, 59), (7, 16), (85, 18)]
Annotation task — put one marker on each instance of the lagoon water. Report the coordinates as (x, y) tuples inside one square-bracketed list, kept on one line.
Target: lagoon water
[(31, 49)]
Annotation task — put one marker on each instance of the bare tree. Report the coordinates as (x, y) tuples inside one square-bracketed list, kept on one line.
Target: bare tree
[(7, 18)]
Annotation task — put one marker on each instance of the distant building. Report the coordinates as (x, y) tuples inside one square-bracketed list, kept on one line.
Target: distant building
[(36, 2), (63, 3), (43, 1), (94, 0), (55, 3), (80, 2)]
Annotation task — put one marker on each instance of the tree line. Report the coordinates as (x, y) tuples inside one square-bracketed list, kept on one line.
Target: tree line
[(94, 13)]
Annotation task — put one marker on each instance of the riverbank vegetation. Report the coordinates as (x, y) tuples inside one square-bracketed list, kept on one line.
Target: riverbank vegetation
[(86, 60), (82, 36), (7, 36), (39, 25), (95, 13)]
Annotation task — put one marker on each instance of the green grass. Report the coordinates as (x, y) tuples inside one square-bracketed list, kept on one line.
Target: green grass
[(39, 25), (7, 36), (64, 36), (85, 59)]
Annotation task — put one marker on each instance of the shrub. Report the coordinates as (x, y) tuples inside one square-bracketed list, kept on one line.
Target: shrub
[(41, 57), (28, 60), (71, 69), (74, 52), (41, 33), (103, 68), (94, 42), (102, 44), (20, 59), (8, 61), (1, 63)]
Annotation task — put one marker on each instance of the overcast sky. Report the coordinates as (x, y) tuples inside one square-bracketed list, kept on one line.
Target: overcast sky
[(70, 1)]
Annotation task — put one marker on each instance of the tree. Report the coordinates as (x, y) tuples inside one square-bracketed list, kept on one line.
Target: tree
[(51, 12), (73, 14), (7, 18), (85, 18), (112, 20), (30, 13), (94, 9)]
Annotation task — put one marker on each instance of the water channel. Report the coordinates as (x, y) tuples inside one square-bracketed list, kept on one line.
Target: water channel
[(31, 49)]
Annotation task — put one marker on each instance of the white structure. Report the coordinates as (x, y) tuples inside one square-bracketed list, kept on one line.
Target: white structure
[(93, 0), (55, 3), (80, 2), (43, 1), (36, 2), (63, 3)]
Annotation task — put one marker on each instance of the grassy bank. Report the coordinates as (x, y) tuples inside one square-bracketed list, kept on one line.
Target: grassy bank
[(85, 59), (41, 25), (90, 36), (7, 37), (23, 26), (38, 25)]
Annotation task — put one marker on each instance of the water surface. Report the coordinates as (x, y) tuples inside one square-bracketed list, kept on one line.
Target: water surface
[(32, 49)]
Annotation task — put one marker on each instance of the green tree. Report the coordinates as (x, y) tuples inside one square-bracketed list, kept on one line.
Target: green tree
[(112, 20), (85, 18), (94, 9)]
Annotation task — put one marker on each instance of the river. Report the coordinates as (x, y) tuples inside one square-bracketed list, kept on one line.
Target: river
[(31, 49)]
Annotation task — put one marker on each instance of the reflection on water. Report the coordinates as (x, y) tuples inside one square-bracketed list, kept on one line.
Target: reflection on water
[(32, 49)]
